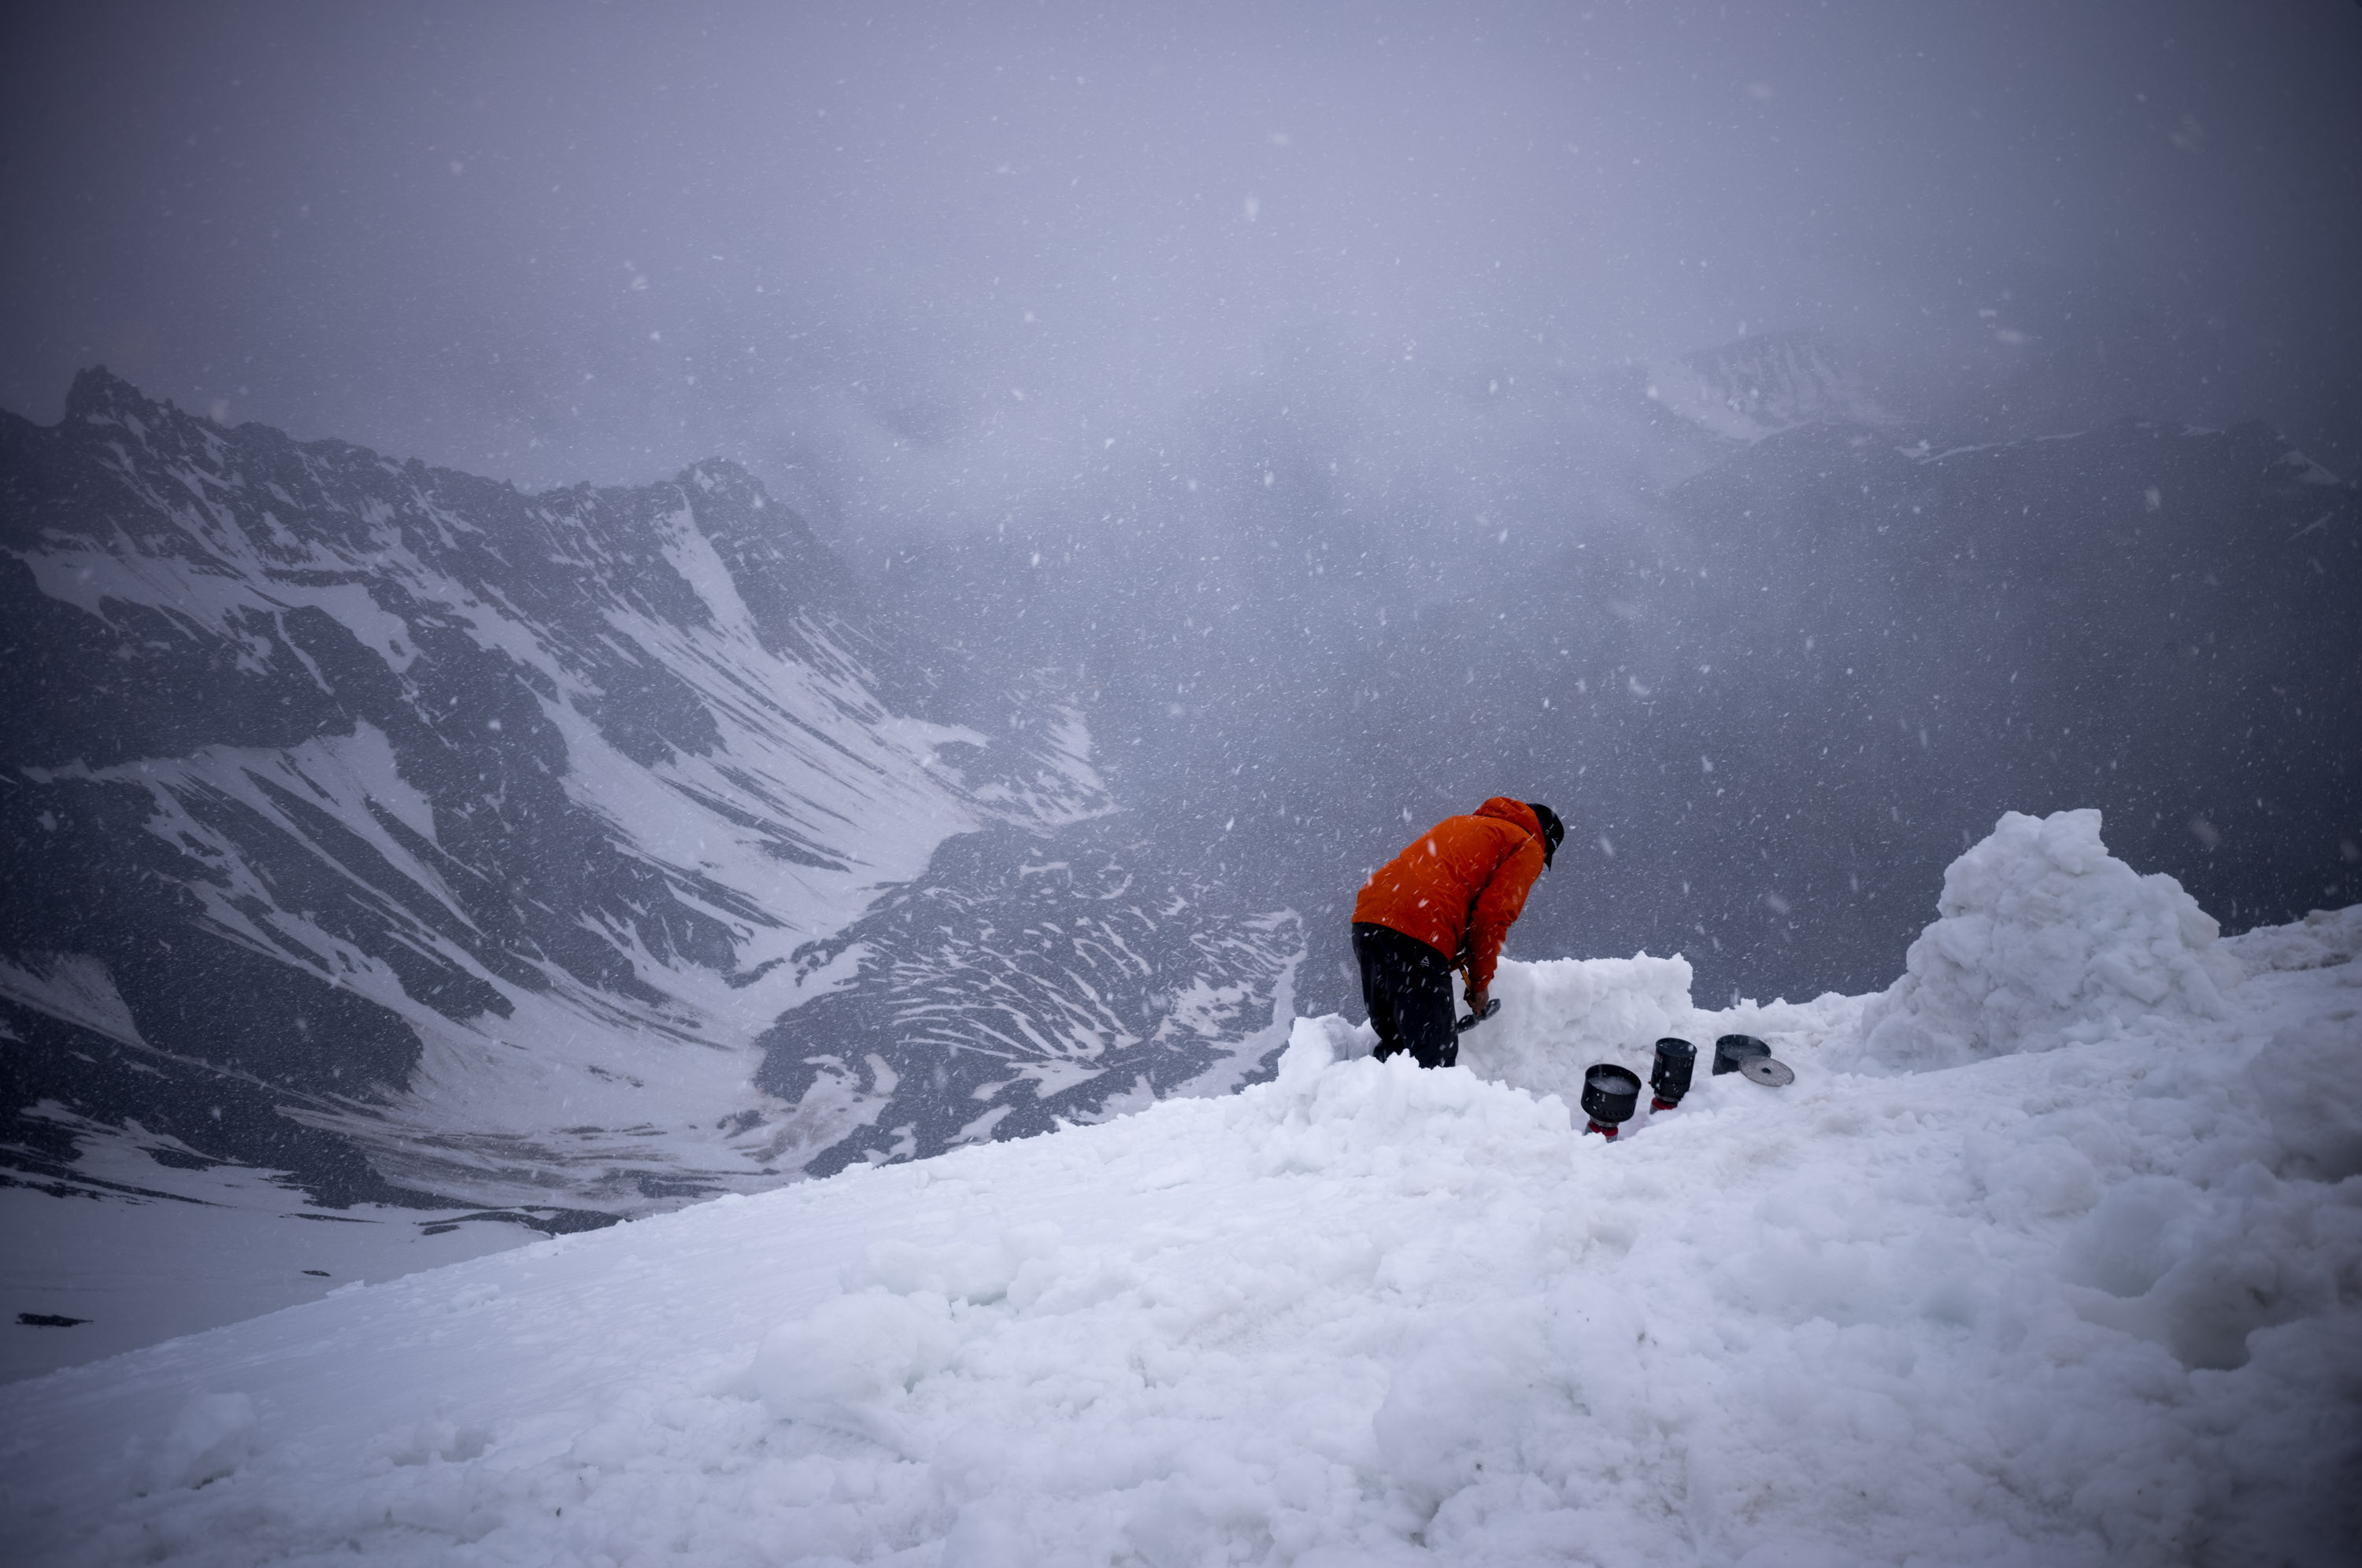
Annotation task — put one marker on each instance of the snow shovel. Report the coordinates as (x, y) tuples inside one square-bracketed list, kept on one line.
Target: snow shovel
[(1469, 1021)]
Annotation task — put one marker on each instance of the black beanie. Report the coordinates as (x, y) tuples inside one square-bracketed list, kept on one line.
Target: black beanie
[(1553, 830)]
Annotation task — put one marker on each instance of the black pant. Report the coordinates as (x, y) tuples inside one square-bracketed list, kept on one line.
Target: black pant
[(1406, 986)]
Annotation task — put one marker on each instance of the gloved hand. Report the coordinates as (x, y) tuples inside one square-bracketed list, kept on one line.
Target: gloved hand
[(1477, 998)]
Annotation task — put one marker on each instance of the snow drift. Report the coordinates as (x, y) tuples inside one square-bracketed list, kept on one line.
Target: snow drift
[(2090, 1296)]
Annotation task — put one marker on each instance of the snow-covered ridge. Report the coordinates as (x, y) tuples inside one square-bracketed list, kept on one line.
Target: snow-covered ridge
[(2097, 1299)]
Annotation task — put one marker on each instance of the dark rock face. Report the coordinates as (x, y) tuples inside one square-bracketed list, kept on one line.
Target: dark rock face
[(420, 837), (1031, 979)]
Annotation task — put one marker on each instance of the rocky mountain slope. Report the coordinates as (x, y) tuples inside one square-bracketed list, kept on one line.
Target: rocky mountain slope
[(429, 840)]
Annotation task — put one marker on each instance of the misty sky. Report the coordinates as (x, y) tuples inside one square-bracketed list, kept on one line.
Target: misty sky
[(916, 265)]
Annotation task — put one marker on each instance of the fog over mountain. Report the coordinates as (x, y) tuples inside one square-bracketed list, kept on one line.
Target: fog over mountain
[(550, 244), (606, 606), (1768, 695)]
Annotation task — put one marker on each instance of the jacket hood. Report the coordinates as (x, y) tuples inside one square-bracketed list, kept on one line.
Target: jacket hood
[(1513, 811)]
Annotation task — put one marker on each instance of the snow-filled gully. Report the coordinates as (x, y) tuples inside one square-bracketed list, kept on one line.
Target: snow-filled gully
[(2051, 1254)]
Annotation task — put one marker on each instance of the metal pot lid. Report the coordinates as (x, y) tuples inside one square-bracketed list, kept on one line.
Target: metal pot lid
[(1769, 1071)]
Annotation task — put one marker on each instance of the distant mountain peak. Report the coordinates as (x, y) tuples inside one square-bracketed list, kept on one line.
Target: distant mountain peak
[(99, 394), (1747, 389)]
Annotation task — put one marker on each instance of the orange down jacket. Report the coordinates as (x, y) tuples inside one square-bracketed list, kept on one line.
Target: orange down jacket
[(1460, 885)]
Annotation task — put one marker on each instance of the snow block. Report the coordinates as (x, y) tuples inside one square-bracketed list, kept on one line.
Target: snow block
[(1315, 1043), (1558, 1017), (2044, 940)]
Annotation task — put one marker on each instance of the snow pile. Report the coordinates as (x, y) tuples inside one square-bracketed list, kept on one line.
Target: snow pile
[(2046, 939), (2095, 1300)]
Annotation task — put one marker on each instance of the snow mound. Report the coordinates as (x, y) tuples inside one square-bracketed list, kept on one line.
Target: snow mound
[(2044, 940)]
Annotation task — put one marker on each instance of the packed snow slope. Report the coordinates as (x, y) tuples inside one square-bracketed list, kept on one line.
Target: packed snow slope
[(2051, 1254)]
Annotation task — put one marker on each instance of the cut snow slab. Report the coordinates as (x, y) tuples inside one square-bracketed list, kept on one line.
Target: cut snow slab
[(2091, 1297)]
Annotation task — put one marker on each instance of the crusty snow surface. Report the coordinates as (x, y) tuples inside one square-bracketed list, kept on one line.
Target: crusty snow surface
[(2051, 1254)]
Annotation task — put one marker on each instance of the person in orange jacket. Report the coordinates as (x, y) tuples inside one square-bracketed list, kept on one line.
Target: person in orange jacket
[(1444, 903)]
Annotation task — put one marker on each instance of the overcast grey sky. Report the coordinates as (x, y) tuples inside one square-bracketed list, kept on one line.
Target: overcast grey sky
[(934, 253)]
